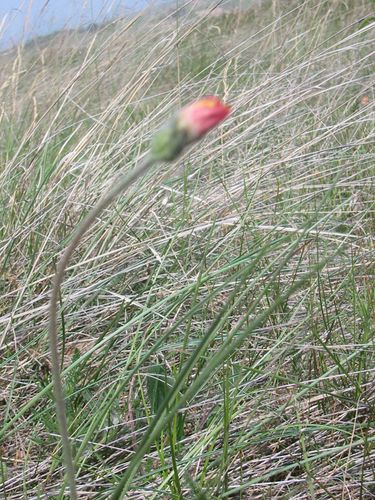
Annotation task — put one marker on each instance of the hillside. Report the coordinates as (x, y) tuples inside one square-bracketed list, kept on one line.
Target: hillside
[(217, 321)]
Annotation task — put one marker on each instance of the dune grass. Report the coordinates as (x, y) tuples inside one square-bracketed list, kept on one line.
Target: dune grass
[(217, 322)]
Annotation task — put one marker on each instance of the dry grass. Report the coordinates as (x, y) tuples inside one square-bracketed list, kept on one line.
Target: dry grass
[(197, 251)]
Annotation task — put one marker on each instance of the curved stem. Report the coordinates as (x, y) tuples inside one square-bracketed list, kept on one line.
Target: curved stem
[(119, 185)]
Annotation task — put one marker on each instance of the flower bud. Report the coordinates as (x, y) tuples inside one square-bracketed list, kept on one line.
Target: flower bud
[(191, 124)]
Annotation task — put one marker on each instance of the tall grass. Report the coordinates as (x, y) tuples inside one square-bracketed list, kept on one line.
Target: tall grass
[(217, 323)]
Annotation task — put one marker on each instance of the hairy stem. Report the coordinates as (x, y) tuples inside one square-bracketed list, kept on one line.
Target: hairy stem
[(119, 185)]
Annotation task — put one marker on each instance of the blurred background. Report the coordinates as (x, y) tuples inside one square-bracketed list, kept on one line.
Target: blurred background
[(21, 20)]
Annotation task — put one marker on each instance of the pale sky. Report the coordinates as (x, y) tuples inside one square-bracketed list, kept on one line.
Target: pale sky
[(22, 19)]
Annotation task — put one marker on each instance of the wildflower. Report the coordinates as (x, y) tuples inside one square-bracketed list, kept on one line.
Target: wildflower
[(190, 124)]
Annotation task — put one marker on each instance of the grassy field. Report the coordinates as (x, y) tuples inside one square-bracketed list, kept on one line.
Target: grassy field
[(217, 322)]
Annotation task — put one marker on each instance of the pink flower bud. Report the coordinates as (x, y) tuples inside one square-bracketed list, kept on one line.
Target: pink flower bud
[(189, 125), (200, 116)]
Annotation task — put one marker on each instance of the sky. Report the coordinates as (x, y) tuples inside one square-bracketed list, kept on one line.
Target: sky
[(23, 19)]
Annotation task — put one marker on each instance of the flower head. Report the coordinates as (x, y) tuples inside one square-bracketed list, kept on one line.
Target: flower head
[(190, 124), (201, 116)]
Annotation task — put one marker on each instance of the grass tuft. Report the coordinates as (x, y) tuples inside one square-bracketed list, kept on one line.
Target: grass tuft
[(217, 322)]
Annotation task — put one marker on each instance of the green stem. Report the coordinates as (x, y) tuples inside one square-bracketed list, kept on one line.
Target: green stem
[(119, 185)]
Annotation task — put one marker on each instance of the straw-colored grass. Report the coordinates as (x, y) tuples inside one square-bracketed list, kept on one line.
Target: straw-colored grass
[(217, 323)]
